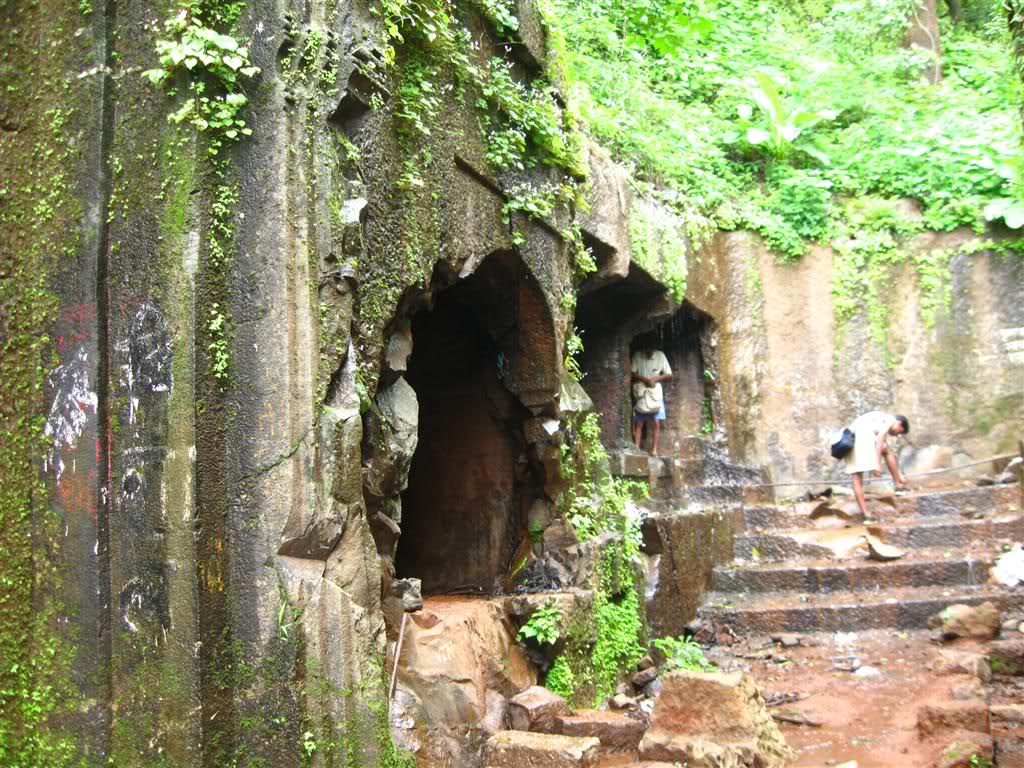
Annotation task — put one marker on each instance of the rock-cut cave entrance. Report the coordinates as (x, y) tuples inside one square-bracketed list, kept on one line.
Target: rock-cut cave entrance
[(611, 319), (686, 340), (481, 353)]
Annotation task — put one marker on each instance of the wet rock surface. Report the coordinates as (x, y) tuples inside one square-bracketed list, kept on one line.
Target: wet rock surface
[(713, 720), (536, 709), (980, 622), (459, 663), (519, 749)]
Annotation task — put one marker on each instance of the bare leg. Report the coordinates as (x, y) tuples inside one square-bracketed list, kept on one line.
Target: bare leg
[(894, 469), (638, 431), (858, 492), (657, 432)]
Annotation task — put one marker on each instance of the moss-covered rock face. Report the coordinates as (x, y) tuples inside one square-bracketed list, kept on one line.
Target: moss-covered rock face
[(224, 224), (204, 265)]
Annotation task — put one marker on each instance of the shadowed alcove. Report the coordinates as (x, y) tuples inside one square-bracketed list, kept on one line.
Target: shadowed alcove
[(485, 345), (611, 318)]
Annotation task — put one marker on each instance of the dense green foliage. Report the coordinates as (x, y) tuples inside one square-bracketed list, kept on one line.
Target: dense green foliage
[(597, 655), (764, 115), (544, 626), (683, 653)]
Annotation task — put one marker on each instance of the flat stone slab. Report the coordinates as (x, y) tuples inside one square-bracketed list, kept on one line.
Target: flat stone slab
[(520, 749), (616, 731)]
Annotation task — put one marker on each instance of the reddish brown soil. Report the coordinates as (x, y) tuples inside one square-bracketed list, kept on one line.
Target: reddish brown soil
[(871, 720)]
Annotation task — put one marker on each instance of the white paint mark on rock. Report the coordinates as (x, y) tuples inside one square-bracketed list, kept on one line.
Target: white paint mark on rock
[(73, 403)]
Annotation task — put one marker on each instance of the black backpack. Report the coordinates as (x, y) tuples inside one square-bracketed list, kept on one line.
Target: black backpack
[(842, 446)]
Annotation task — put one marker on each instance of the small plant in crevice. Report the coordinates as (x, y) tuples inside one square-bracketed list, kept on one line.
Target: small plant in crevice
[(683, 653), (501, 13), (544, 626), (215, 64), (707, 426), (573, 347)]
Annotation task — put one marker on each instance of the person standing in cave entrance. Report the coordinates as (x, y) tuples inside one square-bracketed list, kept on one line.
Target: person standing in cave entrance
[(649, 368), (871, 433)]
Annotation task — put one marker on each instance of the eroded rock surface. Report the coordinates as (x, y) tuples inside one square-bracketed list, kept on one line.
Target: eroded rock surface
[(713, 720)]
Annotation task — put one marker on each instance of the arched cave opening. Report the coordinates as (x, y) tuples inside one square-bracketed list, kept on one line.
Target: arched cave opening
[(610, 319), (478, 352), (686, 340)]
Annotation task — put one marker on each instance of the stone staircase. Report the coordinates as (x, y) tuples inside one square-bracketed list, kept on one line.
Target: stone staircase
[(792, 573)]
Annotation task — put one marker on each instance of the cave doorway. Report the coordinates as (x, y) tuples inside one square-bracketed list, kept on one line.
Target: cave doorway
[(482, 353), (608, 317), (686, 338)]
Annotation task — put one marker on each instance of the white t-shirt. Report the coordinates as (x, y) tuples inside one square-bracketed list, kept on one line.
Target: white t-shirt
[(655, 364)]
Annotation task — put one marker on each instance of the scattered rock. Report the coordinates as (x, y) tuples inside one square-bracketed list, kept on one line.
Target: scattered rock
[(795, 718), (879, 550), (786, 641), (519, 749), (713, 719), (643, 677), (653, 689), (946, 661), (979, 622), (845, 663), (616, 731), (966, 746), (410, 593), (1006, 657), (622, 701), (645, 663), (952, 716), (972, 689), (867, 671), (536, 709)]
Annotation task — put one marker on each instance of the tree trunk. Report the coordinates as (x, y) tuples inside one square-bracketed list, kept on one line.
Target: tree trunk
[(923, 32), (1015, 20)]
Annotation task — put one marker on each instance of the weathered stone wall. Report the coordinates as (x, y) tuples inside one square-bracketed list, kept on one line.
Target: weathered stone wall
[(199, 553), (791, 373)]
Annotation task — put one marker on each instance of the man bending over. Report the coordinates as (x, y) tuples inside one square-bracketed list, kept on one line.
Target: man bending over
[(871, 431)]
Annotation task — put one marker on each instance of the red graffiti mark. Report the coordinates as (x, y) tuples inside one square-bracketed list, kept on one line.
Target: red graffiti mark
[(82, 318), (77, 492)]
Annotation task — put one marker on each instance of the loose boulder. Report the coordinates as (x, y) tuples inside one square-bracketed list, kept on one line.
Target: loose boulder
[(945, 661), (965, 748), (536, 709), (519, 749), (980, 622), (1007, 656), (616, 731), (970, 715), (713, 720)]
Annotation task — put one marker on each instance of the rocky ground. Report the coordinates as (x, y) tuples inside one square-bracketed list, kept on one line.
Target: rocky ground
[(872, 697)]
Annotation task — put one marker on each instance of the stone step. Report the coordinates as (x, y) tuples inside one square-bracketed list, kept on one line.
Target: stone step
[(522, 749), (617, 731), (966, 502), (946, 533), (900, 608), (921, 568)]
